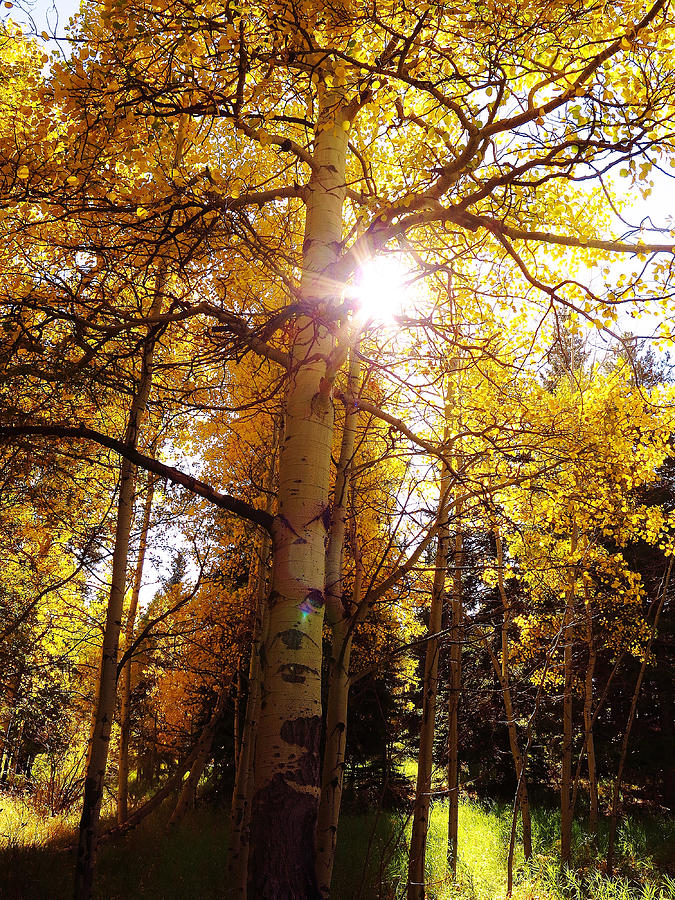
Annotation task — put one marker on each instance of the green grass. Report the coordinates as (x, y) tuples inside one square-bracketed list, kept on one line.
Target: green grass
[(370, 864)]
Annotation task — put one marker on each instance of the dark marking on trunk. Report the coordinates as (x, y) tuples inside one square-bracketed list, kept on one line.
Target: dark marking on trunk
[(292, 638), (294, 673), (306, 771), (275, 597), (282, 843), (304, 731)]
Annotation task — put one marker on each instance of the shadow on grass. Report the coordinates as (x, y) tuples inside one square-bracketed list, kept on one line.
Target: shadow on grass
[(190, 861)]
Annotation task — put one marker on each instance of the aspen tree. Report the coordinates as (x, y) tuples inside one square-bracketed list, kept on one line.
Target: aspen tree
[(469, 142), (125, 694), (416, 860), (286, 793), (341, 624)]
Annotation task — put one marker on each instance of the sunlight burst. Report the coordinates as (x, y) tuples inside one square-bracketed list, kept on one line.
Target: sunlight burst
[(382, 288)]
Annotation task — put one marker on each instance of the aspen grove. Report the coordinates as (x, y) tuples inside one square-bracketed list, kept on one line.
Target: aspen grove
[(336, 436)]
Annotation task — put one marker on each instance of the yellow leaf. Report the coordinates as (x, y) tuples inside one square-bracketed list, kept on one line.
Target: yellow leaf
[(23, 172)]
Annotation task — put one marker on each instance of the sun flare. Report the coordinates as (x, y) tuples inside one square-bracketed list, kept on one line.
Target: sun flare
[(382, 288)]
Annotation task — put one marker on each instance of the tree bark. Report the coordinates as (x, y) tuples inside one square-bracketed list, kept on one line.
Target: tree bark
[(566, 764), (341, 624), (614, 815), (454, 695), (287, 762), (418, 839), (107, 681), (243, 783), (202, 750), (523, 800), (125, 698), (588, 724)]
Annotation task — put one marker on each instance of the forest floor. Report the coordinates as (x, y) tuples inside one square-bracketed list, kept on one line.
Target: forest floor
[(35, 863)]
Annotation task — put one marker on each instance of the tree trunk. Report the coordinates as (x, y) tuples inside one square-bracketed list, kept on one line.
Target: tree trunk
[(125, 699), (614, 815), (287, 763), (107, 682), (454, 695), (418, 839), (566, 766), (203, 747), (137, 816), (523, 800), (243, 782), (341, 624), (588, 724)]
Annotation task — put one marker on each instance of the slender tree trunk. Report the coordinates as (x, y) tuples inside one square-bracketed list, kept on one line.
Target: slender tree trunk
[(334, 754), (588, 724), (566, 767), (614, 815), (9, 716), (243, 784), (244, 775), (203, 747), (107, 682), (238, 688), (454, 695), (420, 825), (523, 801), (287, 762), (125, 698), (341, 624), (143, 811)]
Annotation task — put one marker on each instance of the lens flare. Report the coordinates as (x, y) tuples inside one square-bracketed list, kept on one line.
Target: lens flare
[(381, 289)]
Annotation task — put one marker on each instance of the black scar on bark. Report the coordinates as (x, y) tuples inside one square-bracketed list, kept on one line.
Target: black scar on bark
[(292, 638), (282, 843), (304, 731), (294, 673), (306, 771)]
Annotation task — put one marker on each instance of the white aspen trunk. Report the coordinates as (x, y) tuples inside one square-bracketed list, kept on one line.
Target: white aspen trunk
[(125, 698), (616, 792), (341, 642), (566, 766), (503, 674), (418, 839), (588, 724), (454, 696), (203, 747), (107, 682), (287, 762), (243, 783), (237, 716)]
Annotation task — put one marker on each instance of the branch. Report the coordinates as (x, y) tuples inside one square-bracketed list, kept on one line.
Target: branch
[(80, 432)]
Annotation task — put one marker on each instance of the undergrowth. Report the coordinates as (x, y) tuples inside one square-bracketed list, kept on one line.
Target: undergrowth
[(36, 862)]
